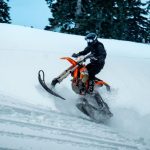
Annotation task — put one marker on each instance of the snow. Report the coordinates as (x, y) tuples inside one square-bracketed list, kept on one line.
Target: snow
[(30, 118)]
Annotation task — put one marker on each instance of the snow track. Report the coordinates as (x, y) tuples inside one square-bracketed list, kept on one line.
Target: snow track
[(25, 124)]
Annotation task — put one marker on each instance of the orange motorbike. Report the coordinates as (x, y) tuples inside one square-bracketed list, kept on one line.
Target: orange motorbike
[(98, 113)]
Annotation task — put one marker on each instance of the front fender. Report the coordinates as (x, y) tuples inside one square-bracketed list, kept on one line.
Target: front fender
[(73, 62)]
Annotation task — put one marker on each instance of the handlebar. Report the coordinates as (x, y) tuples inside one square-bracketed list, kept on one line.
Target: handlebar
[(85, 58)]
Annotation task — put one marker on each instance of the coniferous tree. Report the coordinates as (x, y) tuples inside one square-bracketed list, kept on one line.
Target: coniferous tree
[(117, 19), (137, 21), (131, 22), (4, 12), (63, 15), (147, 39), (81, 16)]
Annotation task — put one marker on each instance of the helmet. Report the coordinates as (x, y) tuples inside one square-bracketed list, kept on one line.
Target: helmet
[(91, 38)]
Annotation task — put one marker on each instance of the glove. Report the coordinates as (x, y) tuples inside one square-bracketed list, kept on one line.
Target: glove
[(75, 55)]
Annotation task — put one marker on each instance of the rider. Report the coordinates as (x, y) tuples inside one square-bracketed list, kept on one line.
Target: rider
[(97, 59)]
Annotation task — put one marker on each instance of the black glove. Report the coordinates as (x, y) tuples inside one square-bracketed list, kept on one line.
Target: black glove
[(75, 55)]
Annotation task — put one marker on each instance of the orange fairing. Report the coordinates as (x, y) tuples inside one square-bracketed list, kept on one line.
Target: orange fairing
[(73, 62), (75, 73)]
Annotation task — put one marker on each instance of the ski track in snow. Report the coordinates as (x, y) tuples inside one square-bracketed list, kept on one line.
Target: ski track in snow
[(37, 124)]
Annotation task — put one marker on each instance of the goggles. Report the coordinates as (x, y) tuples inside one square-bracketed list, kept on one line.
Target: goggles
[(89, 40)]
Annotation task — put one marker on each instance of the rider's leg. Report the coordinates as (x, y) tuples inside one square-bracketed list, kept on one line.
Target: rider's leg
[(93, 69)]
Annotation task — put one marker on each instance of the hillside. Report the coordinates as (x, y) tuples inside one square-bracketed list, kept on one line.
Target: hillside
[(32, 119)]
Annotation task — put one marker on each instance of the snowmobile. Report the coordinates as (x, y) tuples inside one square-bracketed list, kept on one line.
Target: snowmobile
[(99, 112)]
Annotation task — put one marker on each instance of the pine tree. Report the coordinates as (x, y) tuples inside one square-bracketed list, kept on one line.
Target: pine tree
[(147, 39), (63, 15), (4, 12), (137, 21), (96, 17), (117, 19), (81, 16)]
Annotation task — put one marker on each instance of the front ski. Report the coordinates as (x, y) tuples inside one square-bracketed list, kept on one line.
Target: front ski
[(41, 78)]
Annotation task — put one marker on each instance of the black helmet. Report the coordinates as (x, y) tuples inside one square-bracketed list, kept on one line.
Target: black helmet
[(91, 38)]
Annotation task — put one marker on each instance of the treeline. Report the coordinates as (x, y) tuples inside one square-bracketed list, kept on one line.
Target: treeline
[(112, 19)]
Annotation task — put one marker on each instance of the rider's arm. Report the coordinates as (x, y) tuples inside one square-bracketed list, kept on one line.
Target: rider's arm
[(85, 51)]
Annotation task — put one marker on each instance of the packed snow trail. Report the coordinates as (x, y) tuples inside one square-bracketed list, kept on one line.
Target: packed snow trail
[(25, 124)]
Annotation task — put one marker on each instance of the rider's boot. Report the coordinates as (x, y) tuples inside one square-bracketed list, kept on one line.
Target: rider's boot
[(84, 81), (91, 87), (82, 87)]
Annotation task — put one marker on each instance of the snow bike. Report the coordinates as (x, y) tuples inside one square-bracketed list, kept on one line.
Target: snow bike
[(98, 113)]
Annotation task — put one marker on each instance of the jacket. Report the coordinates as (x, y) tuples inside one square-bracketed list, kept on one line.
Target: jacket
[(97, 50)]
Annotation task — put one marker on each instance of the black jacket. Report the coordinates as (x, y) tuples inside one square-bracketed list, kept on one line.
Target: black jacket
[(97, 50)]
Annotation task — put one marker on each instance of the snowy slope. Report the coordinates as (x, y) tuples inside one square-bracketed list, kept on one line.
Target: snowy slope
[(32, 119)]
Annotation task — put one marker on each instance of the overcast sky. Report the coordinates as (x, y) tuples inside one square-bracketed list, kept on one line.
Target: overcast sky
[(29, 13)]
